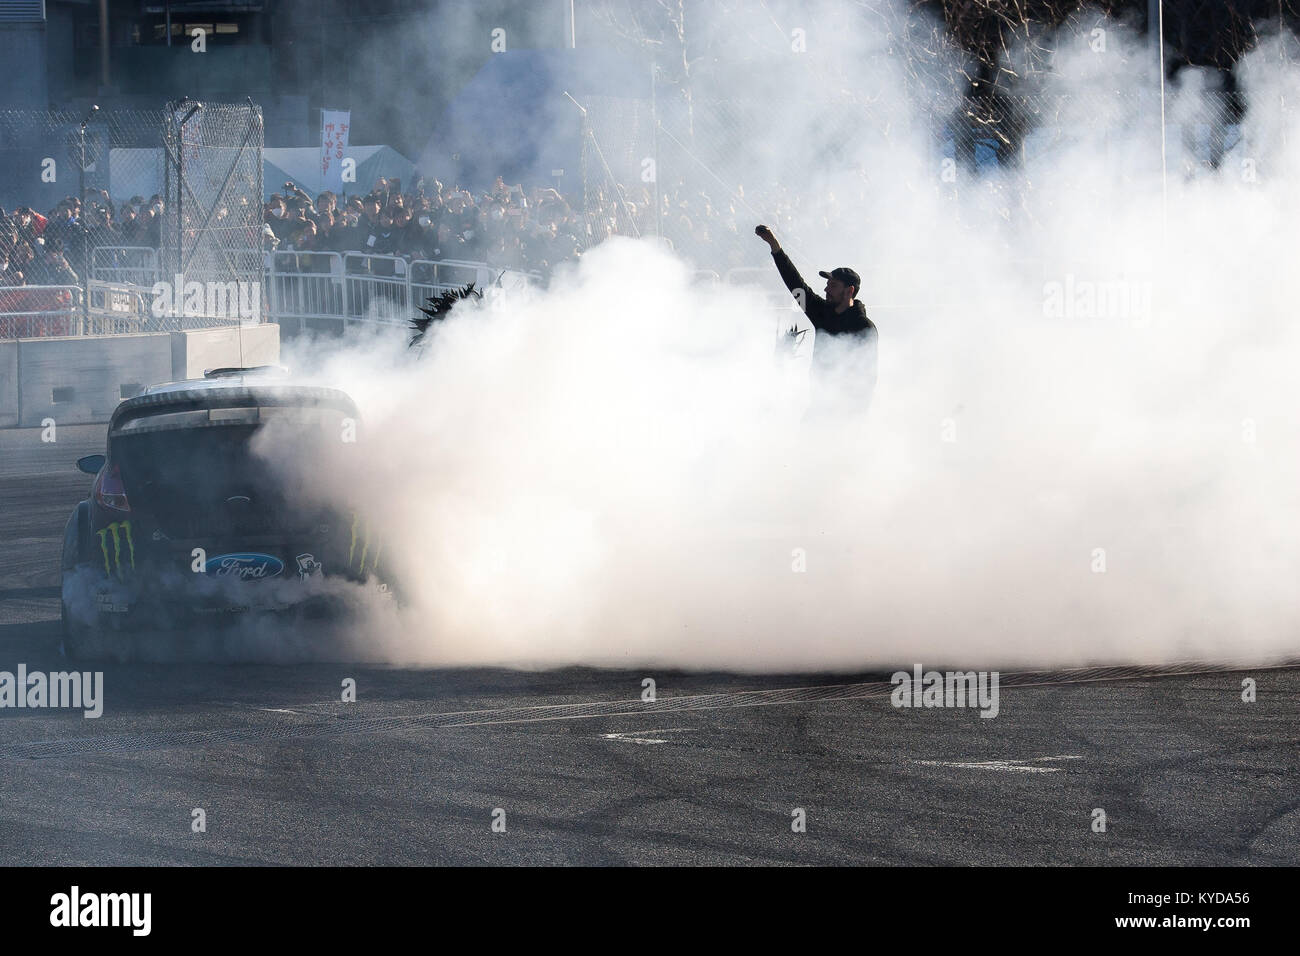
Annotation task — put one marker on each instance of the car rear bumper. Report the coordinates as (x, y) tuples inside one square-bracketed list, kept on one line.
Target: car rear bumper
[(144, 604)]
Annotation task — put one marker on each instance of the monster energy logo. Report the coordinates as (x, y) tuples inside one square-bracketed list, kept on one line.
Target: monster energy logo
[(361, 534), (119, 530)]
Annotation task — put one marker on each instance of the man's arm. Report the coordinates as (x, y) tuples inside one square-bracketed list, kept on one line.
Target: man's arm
[(811, 303)]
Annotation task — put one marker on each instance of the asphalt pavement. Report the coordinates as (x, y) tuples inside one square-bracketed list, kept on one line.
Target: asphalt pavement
[(573, 766)]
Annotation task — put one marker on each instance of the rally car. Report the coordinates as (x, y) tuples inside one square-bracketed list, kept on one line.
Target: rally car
[(193, 524)]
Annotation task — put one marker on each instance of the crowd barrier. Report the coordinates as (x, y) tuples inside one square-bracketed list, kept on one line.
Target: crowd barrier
[(132, 265), (299, 288), (39, 311), (114, 308), (346, 287)]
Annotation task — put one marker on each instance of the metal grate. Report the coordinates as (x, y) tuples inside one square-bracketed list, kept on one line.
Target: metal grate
[(22, 11)]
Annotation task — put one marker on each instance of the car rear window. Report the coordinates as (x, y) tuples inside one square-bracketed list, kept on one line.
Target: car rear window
[(212, 480)]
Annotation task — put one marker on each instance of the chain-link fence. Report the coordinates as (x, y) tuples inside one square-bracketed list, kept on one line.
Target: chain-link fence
[(89, 213), (62, 224), (212, 229), (617, 164)]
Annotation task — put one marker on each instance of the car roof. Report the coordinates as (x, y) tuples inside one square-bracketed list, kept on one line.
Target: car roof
[(221, 378), (236, 389)]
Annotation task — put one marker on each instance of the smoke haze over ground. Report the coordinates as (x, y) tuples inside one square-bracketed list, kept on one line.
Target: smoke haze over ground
[(1082, 446)]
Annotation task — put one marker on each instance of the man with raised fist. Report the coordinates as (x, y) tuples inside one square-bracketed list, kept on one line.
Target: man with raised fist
[(846, 340)]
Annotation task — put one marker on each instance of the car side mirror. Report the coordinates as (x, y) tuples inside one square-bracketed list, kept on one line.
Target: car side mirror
[(91, 464)]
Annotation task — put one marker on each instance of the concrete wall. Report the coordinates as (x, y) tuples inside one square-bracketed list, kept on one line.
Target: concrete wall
[(228, 74), (22, 50), (81, 380), (194, 353), (8, 384)]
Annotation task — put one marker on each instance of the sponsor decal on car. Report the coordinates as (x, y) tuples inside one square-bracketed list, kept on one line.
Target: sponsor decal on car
[(245, 566), (370, 546), (108, 603), (118, 530), (308, 566)]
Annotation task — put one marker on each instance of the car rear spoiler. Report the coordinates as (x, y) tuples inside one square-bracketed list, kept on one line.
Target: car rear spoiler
[(202, 399)]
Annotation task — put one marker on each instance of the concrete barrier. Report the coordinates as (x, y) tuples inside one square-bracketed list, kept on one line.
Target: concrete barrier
[(79, 380), (8, 384), (194, 353)]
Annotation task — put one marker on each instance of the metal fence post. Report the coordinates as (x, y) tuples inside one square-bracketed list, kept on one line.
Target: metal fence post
[(83, 228)]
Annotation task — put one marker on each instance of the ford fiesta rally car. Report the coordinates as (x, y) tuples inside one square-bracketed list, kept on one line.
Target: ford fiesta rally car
[(188, 527)]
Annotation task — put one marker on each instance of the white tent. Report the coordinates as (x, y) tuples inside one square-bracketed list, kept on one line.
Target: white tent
[(301, 165)]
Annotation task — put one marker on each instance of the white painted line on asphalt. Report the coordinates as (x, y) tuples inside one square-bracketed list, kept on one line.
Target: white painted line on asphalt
[(627, 737), (1010, 766)]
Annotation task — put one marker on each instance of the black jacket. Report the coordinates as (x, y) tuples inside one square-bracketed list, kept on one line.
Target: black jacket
[(852, 321), (850, 326)]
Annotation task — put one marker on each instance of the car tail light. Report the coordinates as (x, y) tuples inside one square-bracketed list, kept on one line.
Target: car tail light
[(109, 490)]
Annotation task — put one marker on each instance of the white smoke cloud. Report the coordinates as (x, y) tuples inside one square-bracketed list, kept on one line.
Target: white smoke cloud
[(613, 472)]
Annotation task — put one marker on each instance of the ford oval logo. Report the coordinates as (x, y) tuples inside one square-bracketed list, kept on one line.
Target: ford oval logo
[(246, 566)]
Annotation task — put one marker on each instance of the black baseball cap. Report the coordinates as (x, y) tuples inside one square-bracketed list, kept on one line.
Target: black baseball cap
[(845, 275)]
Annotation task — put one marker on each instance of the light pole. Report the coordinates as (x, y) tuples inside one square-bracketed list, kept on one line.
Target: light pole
[(654, 132), (180, 191), (83, 230), (1156, 21)]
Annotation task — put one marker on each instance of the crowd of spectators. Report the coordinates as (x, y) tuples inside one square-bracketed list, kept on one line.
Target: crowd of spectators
[(48, 248), (508, 227)]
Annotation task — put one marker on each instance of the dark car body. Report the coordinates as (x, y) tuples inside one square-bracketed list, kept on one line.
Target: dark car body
[(189, 523)]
